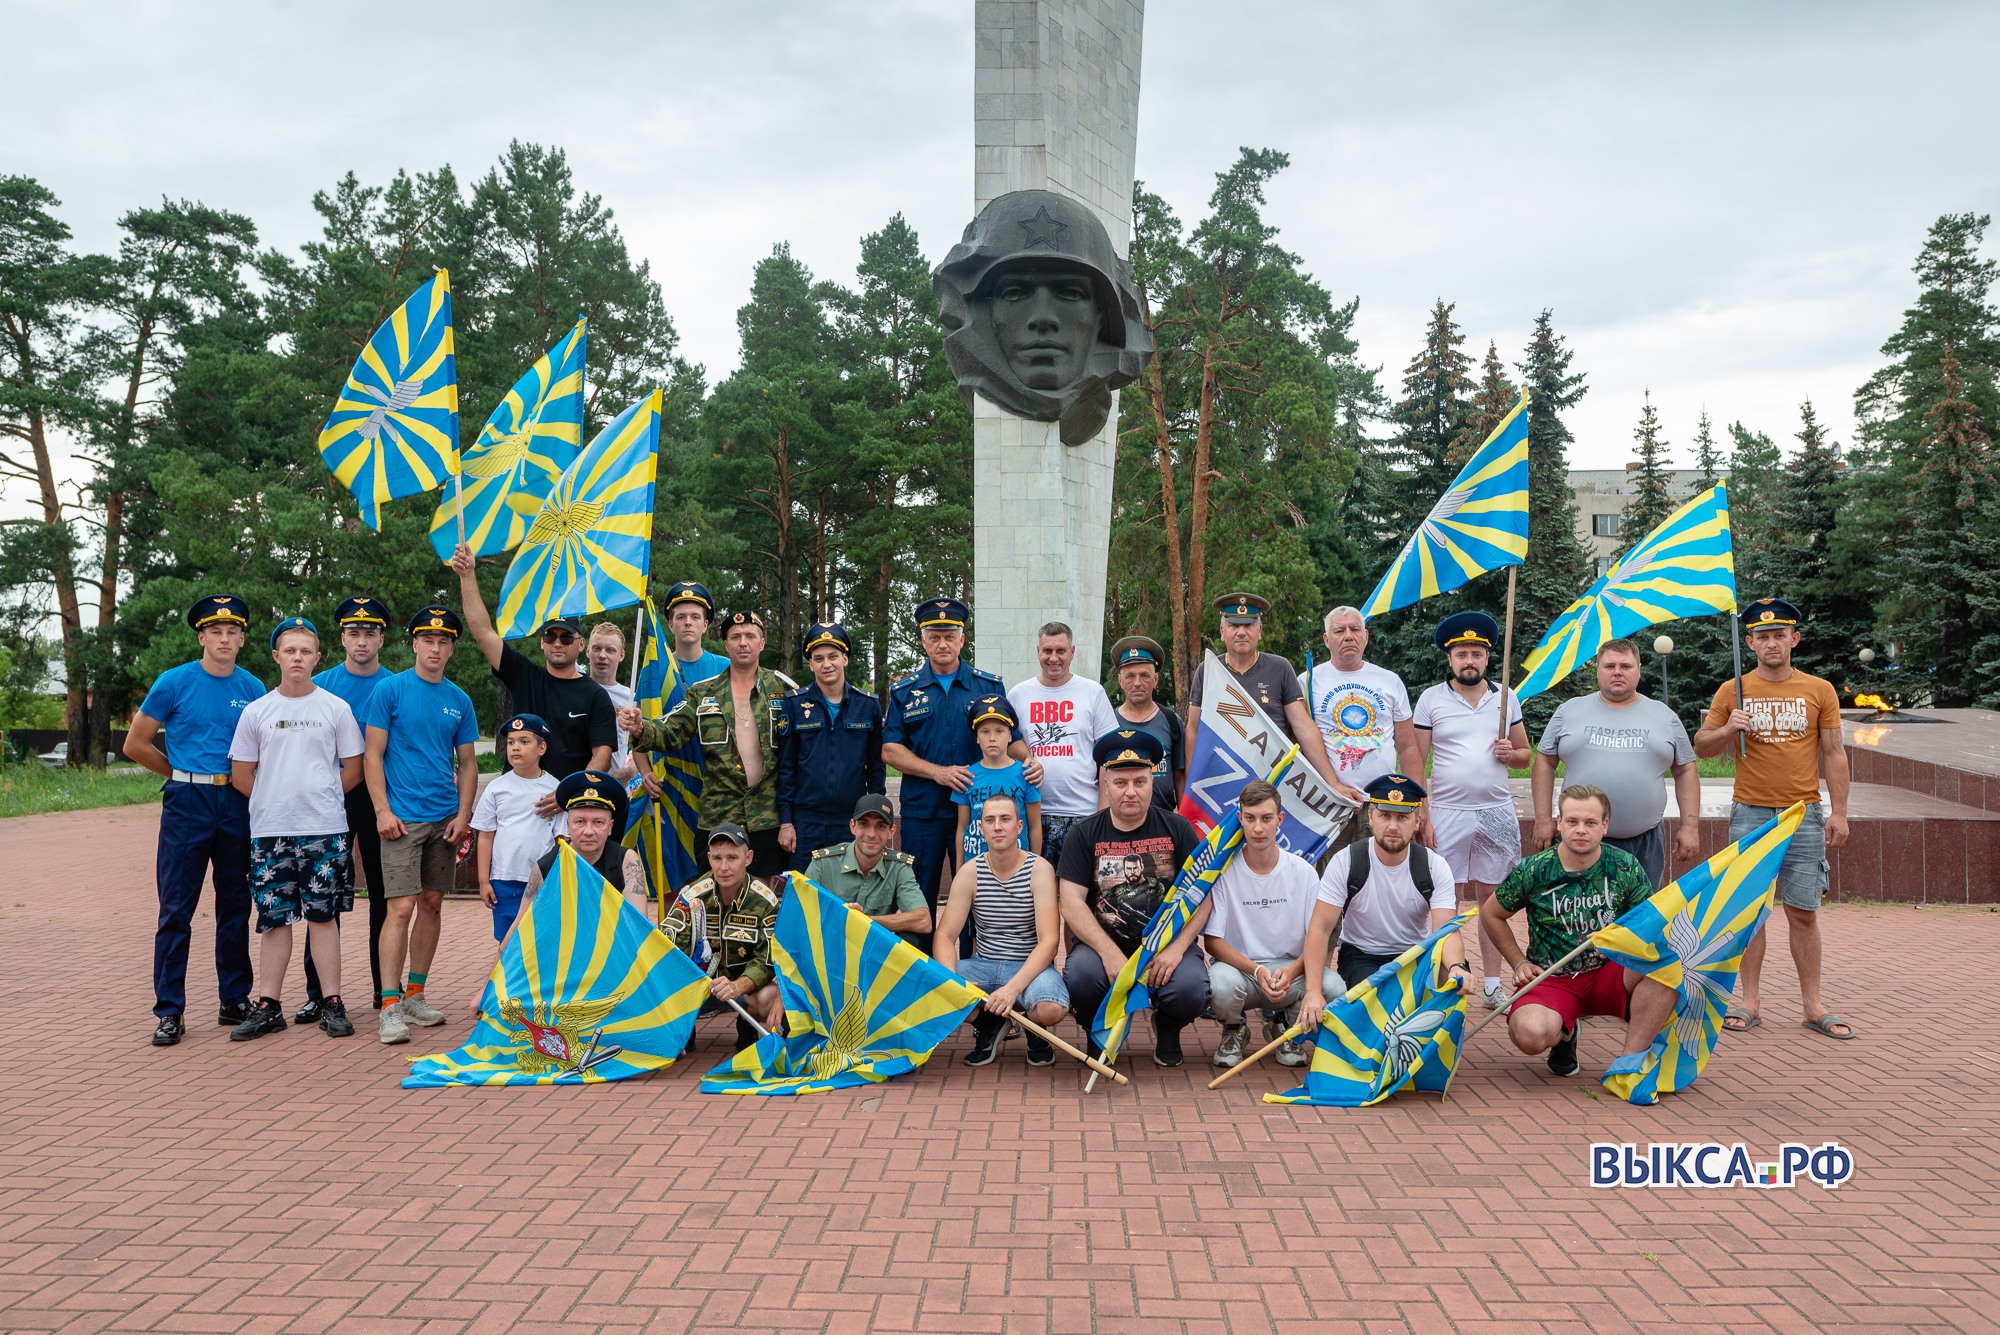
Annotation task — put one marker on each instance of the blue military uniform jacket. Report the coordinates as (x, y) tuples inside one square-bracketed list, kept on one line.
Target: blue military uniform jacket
[(927, 714), (827, 761)]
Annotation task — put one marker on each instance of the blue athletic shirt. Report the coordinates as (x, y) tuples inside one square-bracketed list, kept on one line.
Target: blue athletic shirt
[(355, 690), (710, 664), (198, 712), (426, 723)]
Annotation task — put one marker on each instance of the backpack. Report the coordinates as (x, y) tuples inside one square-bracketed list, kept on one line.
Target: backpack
[(1359, 863)]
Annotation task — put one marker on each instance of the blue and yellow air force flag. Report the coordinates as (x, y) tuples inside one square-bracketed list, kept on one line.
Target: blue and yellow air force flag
[(1129, 994), (1690, 937), (663, 833), (1479, 524), (394, 430), (1396, 1027), (591, 543), (585, 991), (527, 444), (1683, 568), (861, 1004)]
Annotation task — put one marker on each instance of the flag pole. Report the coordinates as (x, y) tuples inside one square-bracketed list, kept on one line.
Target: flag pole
[(458, 495), (1533, 983), (1507, 653), (638, 640), (1097, 1067), (1736, 649)]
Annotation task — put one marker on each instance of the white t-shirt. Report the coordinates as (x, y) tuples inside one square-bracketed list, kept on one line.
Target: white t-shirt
[(1389, 915), (507, 808), (297, 743), (1061, 724), (1357, 713), (1264, 916), (621, 753), (1463, 770)]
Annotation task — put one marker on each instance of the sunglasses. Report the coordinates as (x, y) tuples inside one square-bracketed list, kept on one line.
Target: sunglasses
[(558, 636)]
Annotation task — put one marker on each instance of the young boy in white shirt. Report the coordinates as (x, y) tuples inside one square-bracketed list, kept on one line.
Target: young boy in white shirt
[(511, 835), (295, 753)]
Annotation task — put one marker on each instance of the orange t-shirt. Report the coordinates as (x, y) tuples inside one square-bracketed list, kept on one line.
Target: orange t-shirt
[(1782, 762)]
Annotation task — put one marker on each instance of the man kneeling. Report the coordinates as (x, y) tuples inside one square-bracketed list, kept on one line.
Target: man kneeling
[(734, 912), (1383, 894), (1570, 891), (1254, 924)]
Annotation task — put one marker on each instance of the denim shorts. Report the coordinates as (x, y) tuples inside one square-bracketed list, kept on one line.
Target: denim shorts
[(987, 974), (1802, 875)]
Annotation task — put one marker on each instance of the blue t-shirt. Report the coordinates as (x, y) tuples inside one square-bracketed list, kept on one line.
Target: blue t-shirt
[(1010, 780), (710, 664), (198, 711), (355, 690), (426, 723)]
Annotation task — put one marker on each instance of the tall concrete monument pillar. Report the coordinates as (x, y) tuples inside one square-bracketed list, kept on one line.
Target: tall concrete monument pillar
[(1055, 109)]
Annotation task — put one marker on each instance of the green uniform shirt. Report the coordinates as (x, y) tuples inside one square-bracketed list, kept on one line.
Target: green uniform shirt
[(739, 934), (891, 887), (1564, 906), (708, 713)]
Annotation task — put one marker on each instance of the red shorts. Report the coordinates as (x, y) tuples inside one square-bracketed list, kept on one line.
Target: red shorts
[(1599, 991)]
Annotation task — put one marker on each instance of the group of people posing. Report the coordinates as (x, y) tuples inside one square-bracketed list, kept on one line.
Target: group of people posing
[(1038, 830)]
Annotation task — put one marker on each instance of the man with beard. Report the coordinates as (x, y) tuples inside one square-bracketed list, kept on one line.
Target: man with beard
[(1459, 735), (1117, 867)]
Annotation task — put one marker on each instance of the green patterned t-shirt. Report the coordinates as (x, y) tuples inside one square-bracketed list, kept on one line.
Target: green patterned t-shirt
[(1565, 907)]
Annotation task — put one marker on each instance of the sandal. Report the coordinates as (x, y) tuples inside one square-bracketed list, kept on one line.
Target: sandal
[(1827, 1023), (1746, 1020)]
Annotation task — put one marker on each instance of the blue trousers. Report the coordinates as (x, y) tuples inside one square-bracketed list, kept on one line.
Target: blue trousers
[(203, 828), (929, 840), (813, 836), (1184, 997)]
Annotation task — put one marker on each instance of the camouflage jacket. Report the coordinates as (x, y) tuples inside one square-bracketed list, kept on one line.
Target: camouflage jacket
[(707, 713), (739, 933)]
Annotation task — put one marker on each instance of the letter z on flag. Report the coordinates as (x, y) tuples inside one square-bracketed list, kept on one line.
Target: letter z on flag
[(1236, 743)]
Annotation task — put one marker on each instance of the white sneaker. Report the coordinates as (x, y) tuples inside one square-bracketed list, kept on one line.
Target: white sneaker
[(1495, 996), (392, 1026), (422, 1012)]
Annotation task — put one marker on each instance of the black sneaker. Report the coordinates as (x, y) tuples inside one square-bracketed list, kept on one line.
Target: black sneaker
[(1041, 1052), (746, 1034), (169, 1031), (333, 1018), (310, 1012), (987, 1031), (1166, 1045), (1562, 1057), (266, 1017), (233, 1014)]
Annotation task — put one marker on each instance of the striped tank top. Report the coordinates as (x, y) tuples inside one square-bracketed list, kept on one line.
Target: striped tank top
[(1003, 912)]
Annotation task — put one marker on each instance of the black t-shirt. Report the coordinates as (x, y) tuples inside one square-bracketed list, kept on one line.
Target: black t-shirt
[(1127, 872), (1165, 725), (610, 864), (578, 711)]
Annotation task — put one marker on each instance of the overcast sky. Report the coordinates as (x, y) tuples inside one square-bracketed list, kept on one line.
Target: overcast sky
[(1719, 202)]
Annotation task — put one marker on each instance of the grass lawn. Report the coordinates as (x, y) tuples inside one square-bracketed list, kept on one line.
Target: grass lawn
[(30, 788)]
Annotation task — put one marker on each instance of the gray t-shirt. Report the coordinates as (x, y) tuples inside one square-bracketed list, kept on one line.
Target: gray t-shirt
[(1623, 751), (1271, 682)]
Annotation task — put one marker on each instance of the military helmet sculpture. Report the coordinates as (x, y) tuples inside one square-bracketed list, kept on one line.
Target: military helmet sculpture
[(1040, 314)]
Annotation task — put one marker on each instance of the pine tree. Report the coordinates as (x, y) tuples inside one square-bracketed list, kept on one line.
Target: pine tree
[(1709, 464), (1652, 482)]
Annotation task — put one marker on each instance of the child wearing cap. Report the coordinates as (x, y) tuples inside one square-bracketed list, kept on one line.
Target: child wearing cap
[(511, 835), (996, 774)]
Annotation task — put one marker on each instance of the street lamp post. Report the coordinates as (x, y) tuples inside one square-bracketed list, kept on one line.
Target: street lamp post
[(1664, 646)]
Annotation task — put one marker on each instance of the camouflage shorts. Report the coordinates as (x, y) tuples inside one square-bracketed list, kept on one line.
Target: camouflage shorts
[(305, 877)]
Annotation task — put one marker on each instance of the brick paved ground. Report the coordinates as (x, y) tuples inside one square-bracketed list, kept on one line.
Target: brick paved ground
[(290, 1185)]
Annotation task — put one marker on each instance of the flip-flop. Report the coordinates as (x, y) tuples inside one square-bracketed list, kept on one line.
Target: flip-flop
[(1749, 1021), (1826, 1024)]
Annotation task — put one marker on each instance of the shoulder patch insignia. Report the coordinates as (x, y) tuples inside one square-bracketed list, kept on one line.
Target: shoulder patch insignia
[(830, 851), (901, 856), (770, 897)]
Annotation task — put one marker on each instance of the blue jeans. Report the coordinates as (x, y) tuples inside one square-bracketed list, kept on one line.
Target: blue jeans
[(1802, 875), (986, 975), (1184, 997)]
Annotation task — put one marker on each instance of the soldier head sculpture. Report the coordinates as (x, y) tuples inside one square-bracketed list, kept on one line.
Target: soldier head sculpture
[(1040, 314)]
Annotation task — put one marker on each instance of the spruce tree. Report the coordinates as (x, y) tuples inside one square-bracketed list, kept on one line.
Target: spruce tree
[(1797, 558), (1709, 464), (1558, 568), (1490, 405), (1755, 462), (1652, 482)]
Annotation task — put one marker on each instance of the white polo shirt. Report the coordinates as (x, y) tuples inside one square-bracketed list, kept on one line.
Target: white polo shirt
[(1463, 770)]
